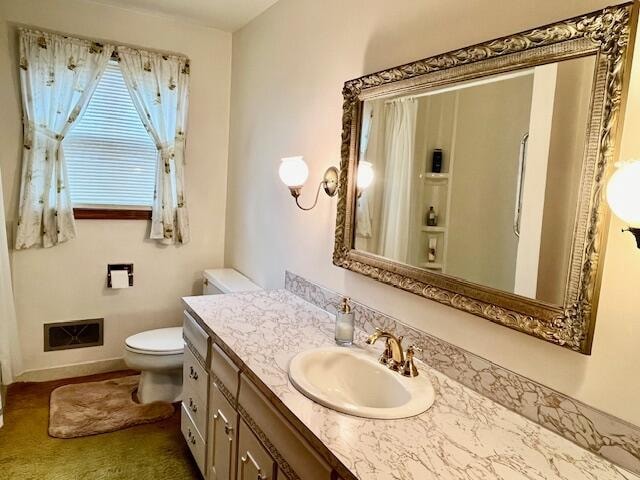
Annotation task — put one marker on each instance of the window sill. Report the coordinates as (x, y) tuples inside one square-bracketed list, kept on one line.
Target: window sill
[(110, 214)]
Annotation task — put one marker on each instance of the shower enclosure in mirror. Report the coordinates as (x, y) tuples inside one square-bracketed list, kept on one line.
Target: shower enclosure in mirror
[(489, 164)]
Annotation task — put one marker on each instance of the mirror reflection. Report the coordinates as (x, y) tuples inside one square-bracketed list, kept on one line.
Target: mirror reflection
[(479, 180)]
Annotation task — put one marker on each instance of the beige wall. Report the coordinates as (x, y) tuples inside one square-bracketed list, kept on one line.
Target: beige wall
[(68, 282), (288, 69)]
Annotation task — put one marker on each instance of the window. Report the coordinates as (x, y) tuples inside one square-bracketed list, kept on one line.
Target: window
[(110, 156)]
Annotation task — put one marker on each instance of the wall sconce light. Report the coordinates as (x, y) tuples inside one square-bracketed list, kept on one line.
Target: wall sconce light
[(294, 172), (623, 196)]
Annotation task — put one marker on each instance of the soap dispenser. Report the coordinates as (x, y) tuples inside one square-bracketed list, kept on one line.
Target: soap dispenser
[(344, 324)]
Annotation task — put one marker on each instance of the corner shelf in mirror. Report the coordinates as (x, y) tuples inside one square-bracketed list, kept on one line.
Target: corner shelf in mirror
[(431, 265), (434, 176), (437, 229)]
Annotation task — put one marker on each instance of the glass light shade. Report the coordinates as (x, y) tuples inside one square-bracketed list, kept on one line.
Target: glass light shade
[(365, 175), (623, 192), (293, 171)]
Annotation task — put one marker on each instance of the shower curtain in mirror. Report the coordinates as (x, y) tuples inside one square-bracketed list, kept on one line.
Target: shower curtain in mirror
[(363, 208), (159, 88), (399, 151), (10, 360), (58, 75)]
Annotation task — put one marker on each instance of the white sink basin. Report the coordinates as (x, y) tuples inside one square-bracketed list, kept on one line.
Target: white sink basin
[(353, 381)]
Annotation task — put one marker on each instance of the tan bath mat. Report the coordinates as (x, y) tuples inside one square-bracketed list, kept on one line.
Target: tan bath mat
[(100, 407)]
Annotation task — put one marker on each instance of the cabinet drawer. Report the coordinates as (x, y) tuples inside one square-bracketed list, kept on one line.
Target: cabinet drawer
[(195, 378), (197, 408), (254, 462), (224, 368), (196, 336), (300, 456), (194, 440), (223, 434)]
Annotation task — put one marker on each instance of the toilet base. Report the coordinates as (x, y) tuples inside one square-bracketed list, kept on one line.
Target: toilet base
[(164, 386)]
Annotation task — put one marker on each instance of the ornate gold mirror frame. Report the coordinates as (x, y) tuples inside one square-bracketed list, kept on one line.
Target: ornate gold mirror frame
[(608, 36)]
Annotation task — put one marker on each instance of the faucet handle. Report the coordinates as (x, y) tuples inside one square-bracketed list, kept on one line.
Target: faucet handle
[(371, 339), (409, 368)]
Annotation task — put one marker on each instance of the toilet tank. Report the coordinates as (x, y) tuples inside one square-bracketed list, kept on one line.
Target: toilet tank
[(226, 280)]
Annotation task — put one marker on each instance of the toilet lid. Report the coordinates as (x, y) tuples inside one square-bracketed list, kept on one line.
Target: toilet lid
[(162, 340)]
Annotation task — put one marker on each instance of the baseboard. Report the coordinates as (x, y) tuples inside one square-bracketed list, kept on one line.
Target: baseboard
[(70, 371)]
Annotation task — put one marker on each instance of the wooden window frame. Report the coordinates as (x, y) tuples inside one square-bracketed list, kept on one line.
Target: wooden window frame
[(96, 213)]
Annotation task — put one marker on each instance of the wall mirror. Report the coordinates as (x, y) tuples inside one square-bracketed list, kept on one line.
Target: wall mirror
[(489, 164)]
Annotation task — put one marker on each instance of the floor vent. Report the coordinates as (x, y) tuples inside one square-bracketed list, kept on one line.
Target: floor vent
[(77, 334)]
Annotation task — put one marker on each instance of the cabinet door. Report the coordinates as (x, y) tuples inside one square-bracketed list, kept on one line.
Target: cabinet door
[(254, 462), (222, 437), (295, 450)]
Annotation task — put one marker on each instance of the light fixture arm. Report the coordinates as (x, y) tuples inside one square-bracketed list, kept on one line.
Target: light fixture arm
[(635, 232), (295, 192), (329, 183)]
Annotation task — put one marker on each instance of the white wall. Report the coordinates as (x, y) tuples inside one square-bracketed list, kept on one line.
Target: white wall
[(288, 69), (68, 282)]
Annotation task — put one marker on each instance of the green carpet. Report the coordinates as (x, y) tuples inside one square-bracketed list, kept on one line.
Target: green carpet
[(154, 451)]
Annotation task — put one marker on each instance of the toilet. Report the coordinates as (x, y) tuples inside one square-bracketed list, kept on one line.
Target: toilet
[(158, 353), (226, 280), (158, 356)]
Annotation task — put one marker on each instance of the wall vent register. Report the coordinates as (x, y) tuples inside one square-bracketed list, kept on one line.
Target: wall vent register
[(76, 334)]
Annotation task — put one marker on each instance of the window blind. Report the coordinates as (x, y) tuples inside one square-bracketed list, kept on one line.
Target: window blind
[(111, 158)]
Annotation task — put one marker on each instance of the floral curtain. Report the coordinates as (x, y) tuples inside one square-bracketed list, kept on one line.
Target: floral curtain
[(58, 75), (159, 88)]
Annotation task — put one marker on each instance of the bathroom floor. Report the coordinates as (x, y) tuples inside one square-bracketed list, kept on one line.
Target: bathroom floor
[(154, 451)]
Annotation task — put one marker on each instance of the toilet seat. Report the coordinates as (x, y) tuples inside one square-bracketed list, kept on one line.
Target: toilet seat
[(162, 341)]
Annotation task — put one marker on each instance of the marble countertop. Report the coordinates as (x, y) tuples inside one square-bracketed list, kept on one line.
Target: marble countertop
[(462, 436)]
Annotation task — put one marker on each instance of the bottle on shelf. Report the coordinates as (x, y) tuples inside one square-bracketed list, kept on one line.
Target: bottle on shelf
[(432, 217), (431, 253), (436, 161)]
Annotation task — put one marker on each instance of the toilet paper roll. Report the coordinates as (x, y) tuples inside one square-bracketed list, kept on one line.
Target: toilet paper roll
[(119, 279)]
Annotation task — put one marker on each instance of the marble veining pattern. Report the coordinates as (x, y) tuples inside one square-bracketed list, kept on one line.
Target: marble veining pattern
[(601, 433), (464, 436)]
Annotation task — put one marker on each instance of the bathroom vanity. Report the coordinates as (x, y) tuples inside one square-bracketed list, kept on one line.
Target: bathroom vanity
[(233, 430), (244, 419)]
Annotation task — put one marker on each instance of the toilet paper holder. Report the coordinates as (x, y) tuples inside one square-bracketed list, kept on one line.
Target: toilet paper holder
[(120, 266)]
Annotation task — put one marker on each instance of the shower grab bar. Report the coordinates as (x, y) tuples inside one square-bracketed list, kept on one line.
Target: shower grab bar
[(522, 167)]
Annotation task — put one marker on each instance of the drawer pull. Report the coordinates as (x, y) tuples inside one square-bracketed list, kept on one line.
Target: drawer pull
[(192, 437), (248, 457), (192, 405), (193, 374), (227, 428)]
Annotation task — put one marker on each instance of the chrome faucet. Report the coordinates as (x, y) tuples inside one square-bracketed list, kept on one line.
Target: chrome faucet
[(393, 355)]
